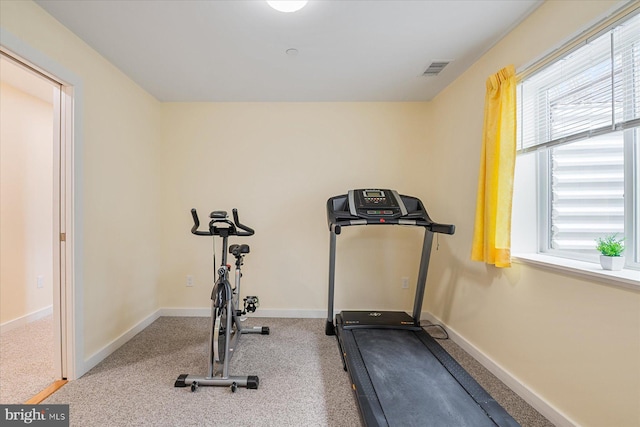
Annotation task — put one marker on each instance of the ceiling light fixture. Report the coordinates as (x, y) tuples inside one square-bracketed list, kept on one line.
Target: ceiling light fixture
[(287, 5)]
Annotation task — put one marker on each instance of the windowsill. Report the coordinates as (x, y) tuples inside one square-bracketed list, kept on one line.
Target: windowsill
[(626, 278)]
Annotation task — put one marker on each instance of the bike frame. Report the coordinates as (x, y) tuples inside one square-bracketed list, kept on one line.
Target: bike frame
[(225, 297)]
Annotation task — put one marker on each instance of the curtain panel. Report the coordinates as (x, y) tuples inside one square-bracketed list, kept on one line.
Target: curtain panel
[(492, 233)]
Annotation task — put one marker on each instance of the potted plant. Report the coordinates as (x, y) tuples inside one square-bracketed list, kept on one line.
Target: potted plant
[(611, 248)]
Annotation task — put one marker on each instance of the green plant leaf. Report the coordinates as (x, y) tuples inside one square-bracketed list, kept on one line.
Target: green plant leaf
[(610, 245)]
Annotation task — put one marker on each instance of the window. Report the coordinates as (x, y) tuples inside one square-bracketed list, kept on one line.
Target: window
[(579, 119)]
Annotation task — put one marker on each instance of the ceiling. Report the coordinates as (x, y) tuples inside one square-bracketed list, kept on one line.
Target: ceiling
[(234, 50)]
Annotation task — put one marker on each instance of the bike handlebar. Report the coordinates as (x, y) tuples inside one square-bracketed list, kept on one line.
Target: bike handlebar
[(247, 231), (234, 227), (196, 225)]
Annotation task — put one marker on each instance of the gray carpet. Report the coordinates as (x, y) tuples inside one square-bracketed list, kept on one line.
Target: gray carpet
[(26, 361), (514, 404), (302, 382)]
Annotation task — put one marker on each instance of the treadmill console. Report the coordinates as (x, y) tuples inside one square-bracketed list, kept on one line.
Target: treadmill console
[(376, 203)]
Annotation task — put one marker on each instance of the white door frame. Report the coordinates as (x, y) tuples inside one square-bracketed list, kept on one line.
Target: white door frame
[(67, 231), (62, 223)]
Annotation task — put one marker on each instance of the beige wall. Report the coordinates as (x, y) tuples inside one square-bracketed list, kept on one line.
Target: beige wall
[(573, 342), (576, 343), (26, 191), (278, 163), (119, 247)]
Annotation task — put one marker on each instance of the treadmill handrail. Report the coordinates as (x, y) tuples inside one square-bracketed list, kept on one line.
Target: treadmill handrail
[(419, 217)]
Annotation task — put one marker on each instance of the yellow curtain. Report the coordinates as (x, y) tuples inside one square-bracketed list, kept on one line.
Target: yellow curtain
[(492, 234)]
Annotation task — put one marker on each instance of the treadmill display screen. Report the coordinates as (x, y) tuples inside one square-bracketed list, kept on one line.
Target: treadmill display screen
[(376, 204), (373, 193)]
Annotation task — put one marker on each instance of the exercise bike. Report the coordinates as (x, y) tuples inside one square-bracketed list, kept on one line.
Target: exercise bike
[(226, 327)]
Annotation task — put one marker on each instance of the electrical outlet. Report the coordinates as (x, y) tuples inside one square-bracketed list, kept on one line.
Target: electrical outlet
[(40, 281), (189, 280), (405, 283)]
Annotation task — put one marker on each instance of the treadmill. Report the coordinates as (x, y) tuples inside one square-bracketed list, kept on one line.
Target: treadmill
[(400, 375)]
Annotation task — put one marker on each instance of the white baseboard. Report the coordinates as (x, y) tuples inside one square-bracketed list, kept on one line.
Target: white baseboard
[(285, 314), (532, 398), (26, 319), (101, 354), (185, 312)]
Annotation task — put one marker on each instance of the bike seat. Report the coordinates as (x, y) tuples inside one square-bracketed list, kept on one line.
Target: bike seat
[(238, 250)]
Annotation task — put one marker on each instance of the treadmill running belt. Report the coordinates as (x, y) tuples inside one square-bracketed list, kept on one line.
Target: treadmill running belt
[(413, 387)]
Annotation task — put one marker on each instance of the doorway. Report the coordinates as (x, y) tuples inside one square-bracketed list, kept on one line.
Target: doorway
[(32, 255)]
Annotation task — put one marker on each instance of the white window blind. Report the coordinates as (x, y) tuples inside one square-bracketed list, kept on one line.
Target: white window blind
[(581, 113), (591, 91), (587, 192)]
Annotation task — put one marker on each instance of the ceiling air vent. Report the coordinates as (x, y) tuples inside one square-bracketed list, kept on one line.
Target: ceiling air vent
[(435, 68)]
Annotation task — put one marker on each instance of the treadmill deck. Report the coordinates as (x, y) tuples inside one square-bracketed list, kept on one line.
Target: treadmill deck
[(405, 378)]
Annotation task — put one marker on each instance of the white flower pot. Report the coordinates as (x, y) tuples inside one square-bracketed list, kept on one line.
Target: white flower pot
[(614, 263)]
